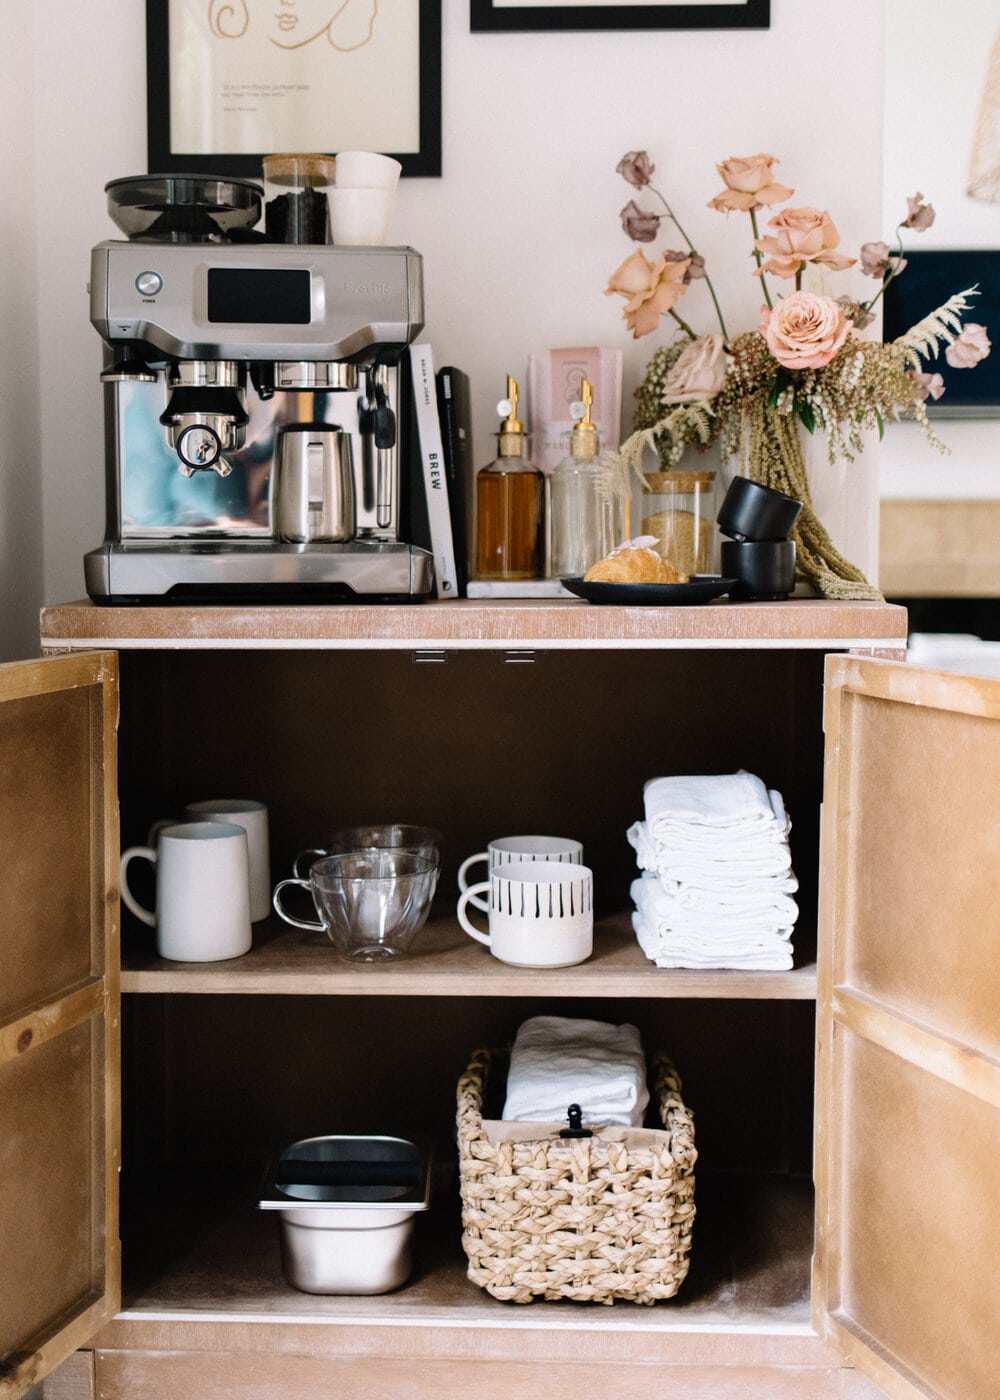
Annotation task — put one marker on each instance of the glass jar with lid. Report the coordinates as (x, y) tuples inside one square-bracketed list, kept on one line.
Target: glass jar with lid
[(678, 509)]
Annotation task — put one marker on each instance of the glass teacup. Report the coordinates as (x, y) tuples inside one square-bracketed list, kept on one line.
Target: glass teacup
[(370, 903), (396, 836)]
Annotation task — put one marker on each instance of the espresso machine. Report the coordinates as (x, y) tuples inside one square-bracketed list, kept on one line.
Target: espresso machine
[(251, 405)]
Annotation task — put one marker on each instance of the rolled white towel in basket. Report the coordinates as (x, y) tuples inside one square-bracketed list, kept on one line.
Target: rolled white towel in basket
[(559, 1060)]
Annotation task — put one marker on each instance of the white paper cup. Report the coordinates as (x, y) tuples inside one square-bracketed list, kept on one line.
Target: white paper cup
[(360, 217), (365, 170)]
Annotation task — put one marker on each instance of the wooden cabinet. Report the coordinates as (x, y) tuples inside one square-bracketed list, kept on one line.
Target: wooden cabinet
[(483, 719)]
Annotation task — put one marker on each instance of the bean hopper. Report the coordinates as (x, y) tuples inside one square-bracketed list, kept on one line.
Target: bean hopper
[(251, 404)]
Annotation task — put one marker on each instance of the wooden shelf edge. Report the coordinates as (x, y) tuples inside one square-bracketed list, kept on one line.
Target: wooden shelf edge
[(446, 963), (469, 624)]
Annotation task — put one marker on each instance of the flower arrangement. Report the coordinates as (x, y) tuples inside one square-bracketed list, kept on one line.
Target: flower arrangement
[(805, 364)]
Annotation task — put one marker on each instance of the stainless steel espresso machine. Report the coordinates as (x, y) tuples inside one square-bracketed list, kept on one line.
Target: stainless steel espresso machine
[(251, 405)]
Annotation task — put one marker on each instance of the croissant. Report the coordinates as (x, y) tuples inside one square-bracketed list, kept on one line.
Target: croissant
[(634, 565)]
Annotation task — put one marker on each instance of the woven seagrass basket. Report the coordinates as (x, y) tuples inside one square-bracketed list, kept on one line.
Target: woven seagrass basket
[(582, 1218)]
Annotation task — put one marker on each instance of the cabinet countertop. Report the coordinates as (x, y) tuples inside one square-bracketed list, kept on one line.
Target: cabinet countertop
[(470, 624)]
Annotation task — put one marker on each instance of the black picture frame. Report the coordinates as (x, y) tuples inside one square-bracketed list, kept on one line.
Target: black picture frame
[(928, 280), (426, 161), (485, 16)]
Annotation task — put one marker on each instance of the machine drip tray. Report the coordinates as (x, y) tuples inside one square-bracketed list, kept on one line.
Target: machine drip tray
[(155, 572)]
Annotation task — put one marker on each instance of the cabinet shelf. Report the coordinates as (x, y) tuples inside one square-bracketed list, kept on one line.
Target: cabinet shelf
[(211, 1261), (446, 962)]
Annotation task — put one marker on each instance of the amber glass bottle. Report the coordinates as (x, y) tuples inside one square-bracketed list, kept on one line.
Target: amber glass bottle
[(510, 504)]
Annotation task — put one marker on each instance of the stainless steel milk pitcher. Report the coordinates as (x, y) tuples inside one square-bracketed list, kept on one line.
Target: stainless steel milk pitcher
[(313, 484)]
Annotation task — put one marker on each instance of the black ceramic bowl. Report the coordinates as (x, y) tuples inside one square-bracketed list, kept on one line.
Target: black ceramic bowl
[(753, 512), (764, 570)]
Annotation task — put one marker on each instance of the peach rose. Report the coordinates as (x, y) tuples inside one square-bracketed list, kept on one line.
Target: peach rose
[(650, 289), (804, 331), (749, 182), (801, 236), (698, 372)]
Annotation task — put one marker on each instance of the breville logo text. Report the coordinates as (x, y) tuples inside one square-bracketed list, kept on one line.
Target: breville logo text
[(369, 289)]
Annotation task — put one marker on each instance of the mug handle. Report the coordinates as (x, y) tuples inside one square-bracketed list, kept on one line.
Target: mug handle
[(463, 883), (469, 896), (130, 901), (289, 918), (297, 862), (157, 827)]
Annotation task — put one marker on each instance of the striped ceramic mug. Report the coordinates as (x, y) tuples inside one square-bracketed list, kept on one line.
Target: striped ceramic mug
[(505, 849), (540, 913)]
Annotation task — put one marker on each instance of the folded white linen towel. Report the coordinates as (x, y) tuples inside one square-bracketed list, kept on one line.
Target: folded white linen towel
[(757, 953), (723, 801), (708, 867), (663, 911), (559, 1060), (770, 895)]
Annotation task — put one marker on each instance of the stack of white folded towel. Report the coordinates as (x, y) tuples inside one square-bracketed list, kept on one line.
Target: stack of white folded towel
[(558, 1060), (717, 882)]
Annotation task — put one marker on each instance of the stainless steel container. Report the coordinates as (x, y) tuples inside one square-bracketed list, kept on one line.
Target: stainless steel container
[(313, 484), (346, 1211)]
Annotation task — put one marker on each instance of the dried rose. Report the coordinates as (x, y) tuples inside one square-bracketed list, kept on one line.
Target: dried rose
[(698, 372), (856, 312), (972, 345), (925, 385), (651, 289), (801, 236), (640, 226), (804, 331), (696, 264), (919, 216), (875, 259), (749, 182), (636, 167)]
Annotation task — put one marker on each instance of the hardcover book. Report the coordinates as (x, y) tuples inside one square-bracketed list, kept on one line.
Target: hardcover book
[(455, 413), (432, 461)]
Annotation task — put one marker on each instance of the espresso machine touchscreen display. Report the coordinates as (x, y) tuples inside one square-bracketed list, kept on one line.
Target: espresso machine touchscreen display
[(267, 296), (251, 406)]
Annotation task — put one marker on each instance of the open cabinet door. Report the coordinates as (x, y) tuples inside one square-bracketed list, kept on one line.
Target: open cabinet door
[(59, 1011), (907, 1265)]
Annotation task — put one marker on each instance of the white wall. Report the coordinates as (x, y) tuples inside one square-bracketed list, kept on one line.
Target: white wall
[(20, 450), (519, 235), (934, 70)]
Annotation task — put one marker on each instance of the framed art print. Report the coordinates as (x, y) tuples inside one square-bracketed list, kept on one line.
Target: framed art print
[(229, 81), (606, 14), (930, 277)]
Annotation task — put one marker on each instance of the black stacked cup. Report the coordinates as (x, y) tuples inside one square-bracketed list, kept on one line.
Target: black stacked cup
[(758, 553)]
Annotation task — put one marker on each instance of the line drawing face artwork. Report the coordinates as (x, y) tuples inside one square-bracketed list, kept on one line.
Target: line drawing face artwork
[(292, 24)]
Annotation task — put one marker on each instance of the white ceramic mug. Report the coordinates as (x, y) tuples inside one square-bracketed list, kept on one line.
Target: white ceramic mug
[(252, 817), (541, 913), (202, 891), (507, 848)]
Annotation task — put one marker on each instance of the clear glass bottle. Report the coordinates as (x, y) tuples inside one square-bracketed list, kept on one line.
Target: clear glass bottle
[(587, 512), (510, 504), (678, 507)]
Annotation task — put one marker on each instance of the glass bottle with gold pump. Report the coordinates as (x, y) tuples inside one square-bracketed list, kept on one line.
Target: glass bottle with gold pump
[(510, 504), (587, 512)]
